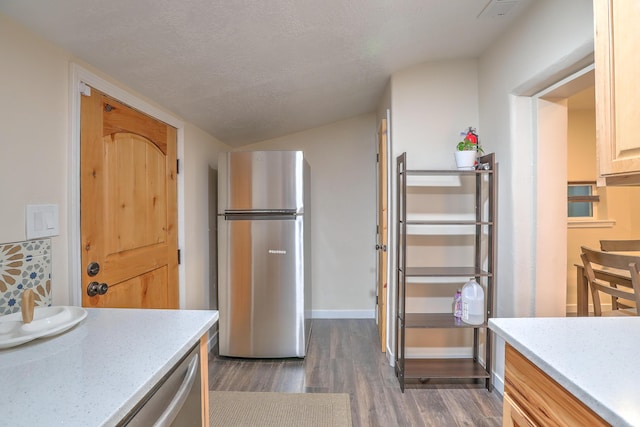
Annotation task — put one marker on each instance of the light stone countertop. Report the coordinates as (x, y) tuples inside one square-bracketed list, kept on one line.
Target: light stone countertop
[(95, 373), (595, 359)]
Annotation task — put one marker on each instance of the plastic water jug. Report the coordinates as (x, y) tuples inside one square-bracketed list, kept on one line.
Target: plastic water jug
[(473, 303)]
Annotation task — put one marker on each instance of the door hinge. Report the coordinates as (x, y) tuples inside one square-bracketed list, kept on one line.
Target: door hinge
[(377, 157), (84, 89), (376, 299), (179, 257), (177, 166)]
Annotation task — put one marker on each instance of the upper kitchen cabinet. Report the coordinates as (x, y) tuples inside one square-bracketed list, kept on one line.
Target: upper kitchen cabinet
[(617, 39)]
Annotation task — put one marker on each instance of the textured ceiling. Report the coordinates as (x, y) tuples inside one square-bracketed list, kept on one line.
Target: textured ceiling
[(250, 70)]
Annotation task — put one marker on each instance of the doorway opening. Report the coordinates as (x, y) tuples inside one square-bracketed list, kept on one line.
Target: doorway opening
[(566, 134)]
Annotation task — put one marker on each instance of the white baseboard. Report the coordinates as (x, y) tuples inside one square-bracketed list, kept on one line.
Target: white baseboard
[(213, 340), (498, 384), (572, 309), (343, 314)]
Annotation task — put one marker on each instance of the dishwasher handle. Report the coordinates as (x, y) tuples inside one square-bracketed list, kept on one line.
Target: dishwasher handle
[(167, 417)]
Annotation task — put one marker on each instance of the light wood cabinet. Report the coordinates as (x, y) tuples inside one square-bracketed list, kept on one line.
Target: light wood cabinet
[(532, 398), (617, 39)]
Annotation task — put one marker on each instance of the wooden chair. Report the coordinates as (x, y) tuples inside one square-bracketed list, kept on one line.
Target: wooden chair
[(619, 245), (629, 292)]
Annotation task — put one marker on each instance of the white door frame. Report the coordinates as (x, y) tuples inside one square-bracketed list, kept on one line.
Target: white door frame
[(79, 76), (390, 326), (551, 122)]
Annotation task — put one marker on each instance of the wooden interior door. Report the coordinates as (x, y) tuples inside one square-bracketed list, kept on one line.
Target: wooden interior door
[(128, 207), (382, 234)]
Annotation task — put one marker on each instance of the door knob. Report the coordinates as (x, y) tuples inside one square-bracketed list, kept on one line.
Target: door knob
[(96, 288)]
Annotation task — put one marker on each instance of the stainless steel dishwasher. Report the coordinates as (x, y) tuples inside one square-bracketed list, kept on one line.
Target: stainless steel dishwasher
[(175, 401)]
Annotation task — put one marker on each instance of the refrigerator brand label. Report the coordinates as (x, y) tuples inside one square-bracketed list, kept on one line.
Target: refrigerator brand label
[(277, 252)]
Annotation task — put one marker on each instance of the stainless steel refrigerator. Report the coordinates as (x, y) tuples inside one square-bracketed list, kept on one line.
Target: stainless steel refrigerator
[(264, 282)]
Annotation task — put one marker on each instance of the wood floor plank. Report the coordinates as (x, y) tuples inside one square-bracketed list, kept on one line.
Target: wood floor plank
[(344, 357), (398, 407), (433, 408)]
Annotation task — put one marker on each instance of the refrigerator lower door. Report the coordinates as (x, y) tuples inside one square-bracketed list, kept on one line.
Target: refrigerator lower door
[(262, 288)]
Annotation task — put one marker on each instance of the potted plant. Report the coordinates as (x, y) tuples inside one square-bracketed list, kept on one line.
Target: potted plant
[(468, 149)]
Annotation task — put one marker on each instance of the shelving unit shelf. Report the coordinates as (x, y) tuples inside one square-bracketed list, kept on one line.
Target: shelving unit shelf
[(481, 225)]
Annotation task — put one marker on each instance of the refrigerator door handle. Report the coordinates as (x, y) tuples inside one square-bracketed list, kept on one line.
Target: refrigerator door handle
[(260, 214)]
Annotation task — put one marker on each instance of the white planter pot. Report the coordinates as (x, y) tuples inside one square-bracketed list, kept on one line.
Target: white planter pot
[(465, 159)]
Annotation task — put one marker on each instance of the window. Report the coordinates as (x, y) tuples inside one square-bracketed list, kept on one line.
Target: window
[(582, 199), (582, 206)]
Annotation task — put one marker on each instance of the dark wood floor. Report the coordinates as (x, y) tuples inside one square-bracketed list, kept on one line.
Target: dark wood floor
[(344, 357)]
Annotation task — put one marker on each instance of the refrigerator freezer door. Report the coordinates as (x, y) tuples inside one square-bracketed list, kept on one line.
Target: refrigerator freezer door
[(262, 302), (261, 180)]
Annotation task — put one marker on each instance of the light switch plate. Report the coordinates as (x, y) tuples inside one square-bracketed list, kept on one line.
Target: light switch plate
[(42, 221)]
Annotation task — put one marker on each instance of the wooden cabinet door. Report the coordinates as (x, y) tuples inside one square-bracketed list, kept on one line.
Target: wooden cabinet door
[(513, 415), (617, 62), (536, 399)]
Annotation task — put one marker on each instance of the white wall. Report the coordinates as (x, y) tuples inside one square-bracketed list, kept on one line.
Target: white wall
[(538, 50), (200, 154), (34, 139), (343, 204), (430, 104), (550, 36), (581, 144), (35, 147)]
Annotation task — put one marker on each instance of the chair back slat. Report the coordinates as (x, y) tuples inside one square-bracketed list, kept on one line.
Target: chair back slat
[(616, 292), (611, 260), (620, 245)]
